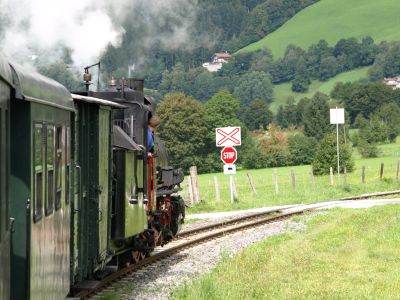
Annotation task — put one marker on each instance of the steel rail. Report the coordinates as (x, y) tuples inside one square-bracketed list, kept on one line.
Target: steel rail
[(260, 219)]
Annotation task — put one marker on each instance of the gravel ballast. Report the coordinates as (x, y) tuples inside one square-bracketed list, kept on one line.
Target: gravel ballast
[(157, 281)]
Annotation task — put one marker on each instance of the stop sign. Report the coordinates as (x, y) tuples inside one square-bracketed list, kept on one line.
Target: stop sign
[(229, 155)]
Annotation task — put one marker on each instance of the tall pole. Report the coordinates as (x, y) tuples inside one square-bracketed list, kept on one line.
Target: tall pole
[(337, 149)]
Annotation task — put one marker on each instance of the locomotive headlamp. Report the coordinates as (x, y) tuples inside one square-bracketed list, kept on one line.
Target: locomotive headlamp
[(87, 76)]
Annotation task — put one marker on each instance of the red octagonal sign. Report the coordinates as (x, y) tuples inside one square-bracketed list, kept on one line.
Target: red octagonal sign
[(229, 155)]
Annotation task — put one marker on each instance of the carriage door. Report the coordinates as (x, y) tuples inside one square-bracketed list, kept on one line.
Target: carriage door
[(104, 178), (4, 205)]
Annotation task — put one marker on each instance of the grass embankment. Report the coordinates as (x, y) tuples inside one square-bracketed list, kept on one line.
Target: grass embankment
[(333, 20), (345, 254), (283, 91), (306, 189)]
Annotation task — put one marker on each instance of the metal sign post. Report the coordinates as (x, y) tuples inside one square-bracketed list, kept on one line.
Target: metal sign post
[(337, 150), (337, 117)]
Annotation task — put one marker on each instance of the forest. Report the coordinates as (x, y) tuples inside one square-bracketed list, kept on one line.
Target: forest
[(193, 101)]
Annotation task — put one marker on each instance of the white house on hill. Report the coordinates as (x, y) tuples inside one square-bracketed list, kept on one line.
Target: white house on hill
[(393, 82), (216, 61)]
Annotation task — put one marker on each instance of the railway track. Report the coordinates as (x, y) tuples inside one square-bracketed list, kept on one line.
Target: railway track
[(194, 237)]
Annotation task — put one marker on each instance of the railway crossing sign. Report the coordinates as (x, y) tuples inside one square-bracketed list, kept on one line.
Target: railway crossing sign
[(229, 155), (228, 136)]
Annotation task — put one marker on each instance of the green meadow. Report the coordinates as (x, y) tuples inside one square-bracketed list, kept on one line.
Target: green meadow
[(333, 259), (305, 189), (333, 20), (283, 91)]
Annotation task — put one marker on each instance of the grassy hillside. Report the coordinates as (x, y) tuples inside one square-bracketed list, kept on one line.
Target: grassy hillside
[(335, 19), (343, 254), (282, 91)]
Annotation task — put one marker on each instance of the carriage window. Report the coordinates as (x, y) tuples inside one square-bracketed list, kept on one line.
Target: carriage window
[(59, 158), (50, 157), (67, 162), (38, 172)]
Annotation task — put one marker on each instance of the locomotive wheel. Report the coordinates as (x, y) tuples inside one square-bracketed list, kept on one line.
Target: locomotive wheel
[(138, 256)]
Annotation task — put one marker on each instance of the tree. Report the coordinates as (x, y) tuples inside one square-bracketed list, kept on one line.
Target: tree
[(257, 115), (254, 85), (172, 81), (204, 86), (350, 48), (367, 51), (390, 115), (326, 156), (288, 115), (365, 99), (220, 111), (262, 60), (316, 117), (328, 68), (301, 80), (183, 129), (257, 22)]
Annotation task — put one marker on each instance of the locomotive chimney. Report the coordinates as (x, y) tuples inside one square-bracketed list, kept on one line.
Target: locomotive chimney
[(123, 88), (112, 83), (136, 84)]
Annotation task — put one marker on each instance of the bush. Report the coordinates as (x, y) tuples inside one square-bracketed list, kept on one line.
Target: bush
[(301, 149), (275, 147), (250, 156), (366, 149), (253, 158), (326, 156)]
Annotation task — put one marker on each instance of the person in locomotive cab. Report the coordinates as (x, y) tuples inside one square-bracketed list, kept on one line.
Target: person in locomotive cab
[(153, 124)]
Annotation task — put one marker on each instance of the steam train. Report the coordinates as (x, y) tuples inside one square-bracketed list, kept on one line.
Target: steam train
[(80, 195)]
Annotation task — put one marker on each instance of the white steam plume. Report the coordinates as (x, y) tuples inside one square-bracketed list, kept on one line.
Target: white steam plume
[(35, 27), (30, 28)]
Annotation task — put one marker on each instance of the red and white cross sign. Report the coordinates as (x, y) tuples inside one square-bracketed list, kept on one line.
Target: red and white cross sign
[(228, 136), (229, 155)]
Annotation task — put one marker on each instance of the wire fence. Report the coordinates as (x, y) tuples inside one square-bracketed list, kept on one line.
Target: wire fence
[(292, 185)]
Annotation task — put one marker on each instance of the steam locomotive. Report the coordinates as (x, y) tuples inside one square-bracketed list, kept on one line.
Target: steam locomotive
[(80, 196)]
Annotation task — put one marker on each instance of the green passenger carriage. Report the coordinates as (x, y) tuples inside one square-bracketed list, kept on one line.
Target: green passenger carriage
[(41, 114), (79, 195), (5, 95)]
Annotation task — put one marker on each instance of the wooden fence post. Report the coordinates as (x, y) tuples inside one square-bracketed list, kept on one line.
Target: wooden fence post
[(363, 174), (312, 177), (397, 170), (331, 174), (195, 184), (345, 175), (293, 180), (276, 181), (234, 195), (381, 171), (217, 195), (190, 190), (252, 184)]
